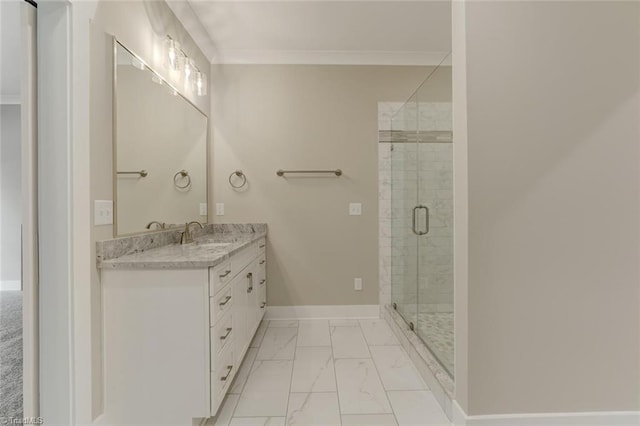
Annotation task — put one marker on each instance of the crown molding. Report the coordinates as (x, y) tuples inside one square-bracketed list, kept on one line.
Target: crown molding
[(330, 57)]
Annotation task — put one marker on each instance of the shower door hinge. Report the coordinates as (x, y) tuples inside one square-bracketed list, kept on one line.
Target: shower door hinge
[(411, 326)]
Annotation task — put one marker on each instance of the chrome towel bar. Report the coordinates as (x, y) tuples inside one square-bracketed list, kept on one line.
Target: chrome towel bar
[(142, 173), (336, 172)]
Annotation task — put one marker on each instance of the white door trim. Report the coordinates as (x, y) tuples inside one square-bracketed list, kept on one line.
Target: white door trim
[(29, 182)]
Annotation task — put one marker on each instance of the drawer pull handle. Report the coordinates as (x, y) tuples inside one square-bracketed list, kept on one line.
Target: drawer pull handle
[(226, 300), (226, 335), (262, 262), (263, 281), (262, 246), (224, 378), (250, 278), (263, 304), (226, 273)]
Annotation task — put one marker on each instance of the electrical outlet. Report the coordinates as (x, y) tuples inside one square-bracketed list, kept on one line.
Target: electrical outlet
[(357, 284), (219, 209), (355, 209), (102, 212), (203, 209)]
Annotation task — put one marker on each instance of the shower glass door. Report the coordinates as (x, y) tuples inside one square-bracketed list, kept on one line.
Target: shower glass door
[(404, 198), (422, 215), (435, 196)]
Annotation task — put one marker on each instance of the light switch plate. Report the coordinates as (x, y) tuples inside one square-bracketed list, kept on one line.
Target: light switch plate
[(355, 209), (203, 209), (357, 284), (219, 209), (103, 212)]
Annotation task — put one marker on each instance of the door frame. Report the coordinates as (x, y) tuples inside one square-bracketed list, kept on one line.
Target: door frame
[(29, 185)]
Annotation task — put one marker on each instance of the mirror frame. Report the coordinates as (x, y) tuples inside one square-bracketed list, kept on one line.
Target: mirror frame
[(114, 131)]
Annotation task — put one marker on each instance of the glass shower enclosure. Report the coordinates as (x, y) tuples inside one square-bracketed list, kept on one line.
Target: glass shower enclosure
[(422, 215)]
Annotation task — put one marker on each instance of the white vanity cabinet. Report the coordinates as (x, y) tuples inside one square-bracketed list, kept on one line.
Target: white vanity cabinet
[(174, 339)]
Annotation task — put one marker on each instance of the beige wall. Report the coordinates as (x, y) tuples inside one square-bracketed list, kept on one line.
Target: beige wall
[(554, 186), (141, 27), (306, 117)]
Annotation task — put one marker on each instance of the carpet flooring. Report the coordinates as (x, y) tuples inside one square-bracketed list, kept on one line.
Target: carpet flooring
[(10, 354)]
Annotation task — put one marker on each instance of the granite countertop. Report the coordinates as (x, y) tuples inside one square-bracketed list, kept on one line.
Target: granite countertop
[(209, 248)]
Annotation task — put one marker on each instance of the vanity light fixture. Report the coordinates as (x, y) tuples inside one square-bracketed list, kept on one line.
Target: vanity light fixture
[(189, 68), (137, 63), (177, 60), (174, 54), (201, 84)]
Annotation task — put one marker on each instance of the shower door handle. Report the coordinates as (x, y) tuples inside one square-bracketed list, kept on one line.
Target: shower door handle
[(415, 220), (426, 220)]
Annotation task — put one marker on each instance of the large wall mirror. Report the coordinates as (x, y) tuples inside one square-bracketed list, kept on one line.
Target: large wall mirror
[(160, 150)]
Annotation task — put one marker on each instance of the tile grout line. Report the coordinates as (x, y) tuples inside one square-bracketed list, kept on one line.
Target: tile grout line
[(335, 373), (386, 395), (293, 364)]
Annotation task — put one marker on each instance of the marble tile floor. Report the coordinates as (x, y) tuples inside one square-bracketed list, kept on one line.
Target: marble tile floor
[(325, 373)]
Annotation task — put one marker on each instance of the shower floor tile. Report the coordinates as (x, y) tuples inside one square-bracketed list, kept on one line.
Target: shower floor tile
[(436, 329)]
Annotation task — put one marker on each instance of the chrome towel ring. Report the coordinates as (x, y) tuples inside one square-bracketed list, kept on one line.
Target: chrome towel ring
[(241, 175), (182, 174)]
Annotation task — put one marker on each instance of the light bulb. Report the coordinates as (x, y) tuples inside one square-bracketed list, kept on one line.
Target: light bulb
[(189, 68), (174, 54), (201, 83)]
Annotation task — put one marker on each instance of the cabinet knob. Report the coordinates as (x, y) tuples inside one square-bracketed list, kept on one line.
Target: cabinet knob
[(225, 274), (263, 304), (226, 300)]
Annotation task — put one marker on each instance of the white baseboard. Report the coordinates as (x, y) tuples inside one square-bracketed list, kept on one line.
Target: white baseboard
[(322, 312), (10, 285), (600, 418)]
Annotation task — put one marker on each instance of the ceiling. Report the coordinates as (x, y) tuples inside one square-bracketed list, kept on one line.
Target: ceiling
[(322, 32)]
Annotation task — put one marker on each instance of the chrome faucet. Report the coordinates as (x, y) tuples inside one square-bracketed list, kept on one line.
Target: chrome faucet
[(186, 235), (155, 222)]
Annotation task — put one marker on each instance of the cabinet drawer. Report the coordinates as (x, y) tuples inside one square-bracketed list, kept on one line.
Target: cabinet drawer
[(220, 304), (240, 260), (221, 334), (261, 270), (262, 246), (222, 375), (219, 276), (262, 299)]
